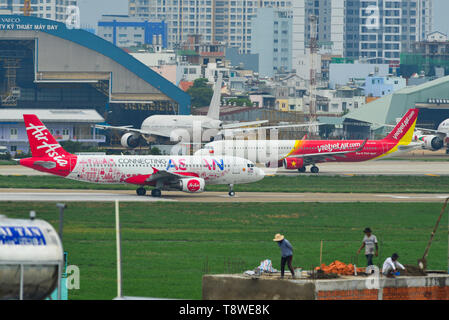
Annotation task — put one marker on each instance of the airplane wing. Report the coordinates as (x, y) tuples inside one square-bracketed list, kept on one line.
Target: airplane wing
[(133, 130), (411, 146), (440, 134), (243, 124), (143, 179), (315, 157), (245, 130)]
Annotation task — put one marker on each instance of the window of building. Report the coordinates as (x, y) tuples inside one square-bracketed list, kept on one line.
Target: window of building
[(13, 133)]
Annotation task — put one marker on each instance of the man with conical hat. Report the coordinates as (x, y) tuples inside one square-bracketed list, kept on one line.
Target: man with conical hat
[(286, 252)]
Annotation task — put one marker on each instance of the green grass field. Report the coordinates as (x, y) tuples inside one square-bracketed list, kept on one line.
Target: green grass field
[(7, 162), (294, 183), (167, 247)]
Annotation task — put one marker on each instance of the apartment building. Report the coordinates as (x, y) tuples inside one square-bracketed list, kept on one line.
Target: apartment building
[(224, 21), (389, 27), (375, 30), (271, 40), (48, 9)]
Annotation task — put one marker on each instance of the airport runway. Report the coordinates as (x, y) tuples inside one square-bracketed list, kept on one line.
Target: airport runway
[(26, 195), (385, 167)]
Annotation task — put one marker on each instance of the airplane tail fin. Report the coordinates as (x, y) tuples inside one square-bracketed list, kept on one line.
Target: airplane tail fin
[(403, 132), (42, 142), (214, 108)]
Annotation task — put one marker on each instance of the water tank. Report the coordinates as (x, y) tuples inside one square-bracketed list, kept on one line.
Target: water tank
[(35, 245)]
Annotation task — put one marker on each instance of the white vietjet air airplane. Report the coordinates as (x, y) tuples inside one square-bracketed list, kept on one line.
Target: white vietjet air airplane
[(177, 127), (185, 173)]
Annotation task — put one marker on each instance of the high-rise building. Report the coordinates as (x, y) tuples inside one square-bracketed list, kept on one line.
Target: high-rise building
[(48, 9), (375, 30), (389, 27), (222, 21), (330, 15), (272, 40)]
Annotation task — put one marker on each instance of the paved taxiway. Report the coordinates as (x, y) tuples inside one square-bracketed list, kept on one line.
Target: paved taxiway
[(212, 197), (385, 167)]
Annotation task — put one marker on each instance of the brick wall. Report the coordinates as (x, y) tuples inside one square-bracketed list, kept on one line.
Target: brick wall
[(412, 293)]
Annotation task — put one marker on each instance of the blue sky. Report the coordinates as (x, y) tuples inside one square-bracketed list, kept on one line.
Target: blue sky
[(441, 10), (91, 11)]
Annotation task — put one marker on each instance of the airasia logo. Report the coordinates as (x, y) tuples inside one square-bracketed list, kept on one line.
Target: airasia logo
[(193, 185)]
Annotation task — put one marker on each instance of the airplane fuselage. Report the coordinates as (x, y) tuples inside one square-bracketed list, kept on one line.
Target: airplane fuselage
[(176, 125), (122, 169), (262, 151)]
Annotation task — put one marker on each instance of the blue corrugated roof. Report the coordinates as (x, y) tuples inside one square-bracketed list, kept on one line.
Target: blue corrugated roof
[(93, 42)]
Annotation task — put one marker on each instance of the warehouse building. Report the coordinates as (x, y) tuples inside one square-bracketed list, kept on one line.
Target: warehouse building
[(43, 64), (429, 97), (74, 124)]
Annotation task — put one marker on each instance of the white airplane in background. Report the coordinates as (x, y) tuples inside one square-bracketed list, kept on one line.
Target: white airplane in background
[(168, 126), (435, 141), (184, 173), (176, 127)]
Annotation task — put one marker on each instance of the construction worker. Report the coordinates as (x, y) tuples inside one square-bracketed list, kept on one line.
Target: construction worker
[(286, 252), (391, 265), (369, 243)]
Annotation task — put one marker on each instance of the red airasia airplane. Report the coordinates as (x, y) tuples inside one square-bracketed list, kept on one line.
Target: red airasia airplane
[(184, 173), (298, 154)]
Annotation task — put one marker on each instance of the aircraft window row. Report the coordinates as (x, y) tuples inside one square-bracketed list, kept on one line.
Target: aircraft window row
[(145, 165)]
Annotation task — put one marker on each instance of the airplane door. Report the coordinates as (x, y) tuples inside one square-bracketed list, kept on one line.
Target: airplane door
[(235, 168), (384, 148), (72, 163)]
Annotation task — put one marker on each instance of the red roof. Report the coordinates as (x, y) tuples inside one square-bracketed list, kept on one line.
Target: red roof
[(213, 54), (185, 85)]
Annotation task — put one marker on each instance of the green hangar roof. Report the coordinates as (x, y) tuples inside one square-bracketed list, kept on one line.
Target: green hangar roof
[(387, 109), (75, 55)]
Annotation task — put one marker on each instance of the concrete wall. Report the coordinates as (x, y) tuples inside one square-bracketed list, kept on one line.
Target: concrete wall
[(249, 60), (341, 73), (239, 287)]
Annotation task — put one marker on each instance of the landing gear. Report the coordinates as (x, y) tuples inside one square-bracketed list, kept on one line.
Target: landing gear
[(314, 169), (231, 190), (141, 191), (156, 193), (302, 170)]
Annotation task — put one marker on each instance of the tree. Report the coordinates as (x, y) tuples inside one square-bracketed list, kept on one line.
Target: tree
[(155, 151), (240, 102), (200, 93)]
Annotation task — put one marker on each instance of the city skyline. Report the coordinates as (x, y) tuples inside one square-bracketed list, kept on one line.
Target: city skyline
[(91, 12)]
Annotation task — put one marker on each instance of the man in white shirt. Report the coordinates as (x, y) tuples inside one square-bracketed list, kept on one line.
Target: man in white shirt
[(391, 265), (369, 243)]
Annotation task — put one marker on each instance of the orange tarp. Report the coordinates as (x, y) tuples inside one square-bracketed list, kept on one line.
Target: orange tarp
[(338, 267)]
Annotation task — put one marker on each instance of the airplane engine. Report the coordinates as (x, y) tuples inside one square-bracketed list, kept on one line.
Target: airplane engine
[(293, 163), (433, 143), (130, 140), (271, 164), (193, 185)]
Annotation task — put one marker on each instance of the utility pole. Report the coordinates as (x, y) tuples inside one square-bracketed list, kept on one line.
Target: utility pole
[(313, 46)]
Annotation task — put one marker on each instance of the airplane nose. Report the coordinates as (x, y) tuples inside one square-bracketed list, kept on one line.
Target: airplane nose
[(260, 174)]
